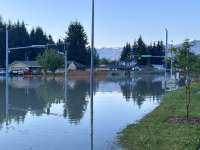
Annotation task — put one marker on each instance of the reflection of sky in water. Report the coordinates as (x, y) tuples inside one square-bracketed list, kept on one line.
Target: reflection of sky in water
[(41, 118)]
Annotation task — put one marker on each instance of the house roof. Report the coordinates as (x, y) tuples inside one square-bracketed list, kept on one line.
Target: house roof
[(28, 63), (78, 65)]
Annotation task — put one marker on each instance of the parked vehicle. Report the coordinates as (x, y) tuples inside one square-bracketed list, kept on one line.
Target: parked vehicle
[(2, 71)]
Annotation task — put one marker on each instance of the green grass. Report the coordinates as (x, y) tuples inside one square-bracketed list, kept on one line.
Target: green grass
[(155, 133)]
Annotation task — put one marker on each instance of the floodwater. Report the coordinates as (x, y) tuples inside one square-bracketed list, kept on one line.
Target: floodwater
[(53, 114)]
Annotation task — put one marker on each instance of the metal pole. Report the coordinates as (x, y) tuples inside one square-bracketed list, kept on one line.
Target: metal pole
[(92, 75), (7, 101), (7, 51), (66, 61), (66, 71), (171, 70), (166, 49), (92, 42)]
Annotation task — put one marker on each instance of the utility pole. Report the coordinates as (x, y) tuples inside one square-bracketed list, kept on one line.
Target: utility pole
[(66, 71), (166, 49), (66, 80), (171, 68), (92, 43), (92, 76), (66, 61), (7, 51)]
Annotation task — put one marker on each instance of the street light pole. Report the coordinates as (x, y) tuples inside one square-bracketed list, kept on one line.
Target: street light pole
[(92, 42), (7, 49), (166, 49), (66, 61), (92, 75), (171, 70), (66, 70)]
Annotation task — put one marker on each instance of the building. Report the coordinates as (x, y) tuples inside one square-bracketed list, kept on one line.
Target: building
[(72, 65), (25, 67), (159, 67)]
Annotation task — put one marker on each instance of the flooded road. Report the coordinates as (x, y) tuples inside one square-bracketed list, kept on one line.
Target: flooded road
[(53, 114)]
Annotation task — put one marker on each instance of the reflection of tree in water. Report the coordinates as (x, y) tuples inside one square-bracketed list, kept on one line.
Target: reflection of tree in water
[(38, 100), (2, 102), (20, 101), (77, 100), (23, 99), (51, 91), (139, 90)]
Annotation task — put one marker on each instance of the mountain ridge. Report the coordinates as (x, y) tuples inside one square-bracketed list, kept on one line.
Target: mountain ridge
[(113, 53)]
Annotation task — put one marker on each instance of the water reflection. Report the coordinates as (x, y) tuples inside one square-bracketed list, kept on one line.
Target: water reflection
[(77, 102), (70, 100), (37, 96), (139, 89)]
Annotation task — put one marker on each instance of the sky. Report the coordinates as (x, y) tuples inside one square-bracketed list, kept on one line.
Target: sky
[(116, 21)]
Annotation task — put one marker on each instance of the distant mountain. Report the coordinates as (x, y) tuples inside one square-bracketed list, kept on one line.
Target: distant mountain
[(195, 48), (114, 53), (109, 53)]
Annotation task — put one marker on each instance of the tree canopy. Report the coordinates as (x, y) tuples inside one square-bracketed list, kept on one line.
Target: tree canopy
[(77, 43), (137, 51), (185, 59), (76, 39), (78, 49), (126, 52), (19, 37), (50, 60)]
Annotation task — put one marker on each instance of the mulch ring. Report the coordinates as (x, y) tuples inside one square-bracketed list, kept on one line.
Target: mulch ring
[(183, 120)]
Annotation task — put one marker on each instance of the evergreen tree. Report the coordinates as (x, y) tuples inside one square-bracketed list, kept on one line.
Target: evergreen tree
[(38, 37), (50, 40), (126, 53), (2, 43), (18, 37), (157, 52), (77, 43), (60, 45), (141, 50)]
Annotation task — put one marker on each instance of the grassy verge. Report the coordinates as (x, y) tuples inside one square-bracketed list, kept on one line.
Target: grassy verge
[(155, 133)]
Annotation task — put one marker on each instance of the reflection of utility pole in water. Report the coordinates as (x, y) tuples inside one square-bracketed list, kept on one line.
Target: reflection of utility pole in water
[(26, 91), (92, 78), (7, 101), (92, 115)]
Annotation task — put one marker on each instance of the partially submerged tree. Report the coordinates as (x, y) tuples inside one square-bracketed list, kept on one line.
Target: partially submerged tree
[(50, 60)]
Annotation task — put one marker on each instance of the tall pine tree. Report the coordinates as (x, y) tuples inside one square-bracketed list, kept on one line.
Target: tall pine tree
[(141, 50), (126, 53), (77, 43)]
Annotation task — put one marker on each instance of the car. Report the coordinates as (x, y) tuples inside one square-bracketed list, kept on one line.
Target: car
[(2, 71)]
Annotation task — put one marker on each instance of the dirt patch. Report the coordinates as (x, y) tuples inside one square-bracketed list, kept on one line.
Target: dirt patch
[(79, 74), (183, 120)]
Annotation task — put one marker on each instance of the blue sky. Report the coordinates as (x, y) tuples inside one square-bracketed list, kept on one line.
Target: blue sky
[(116, 21)]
